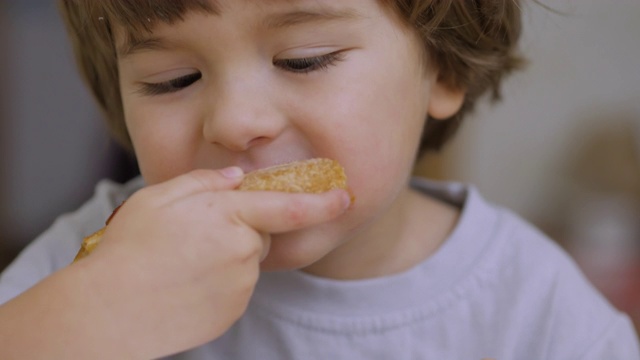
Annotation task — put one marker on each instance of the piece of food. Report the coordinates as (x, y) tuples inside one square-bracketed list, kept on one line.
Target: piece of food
[(308, 176), (89, 243)]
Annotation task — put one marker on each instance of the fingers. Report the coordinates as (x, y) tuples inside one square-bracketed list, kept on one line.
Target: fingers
[(274, 212), (266, 212), (266, 246), (199, 181)]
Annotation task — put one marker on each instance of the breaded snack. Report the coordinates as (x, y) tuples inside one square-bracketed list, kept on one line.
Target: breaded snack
[(308, 176)]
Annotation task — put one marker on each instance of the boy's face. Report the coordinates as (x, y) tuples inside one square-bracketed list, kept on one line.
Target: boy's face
[(261, 84)]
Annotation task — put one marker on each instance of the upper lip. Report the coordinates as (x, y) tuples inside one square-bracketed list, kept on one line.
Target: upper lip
[(248, 165)]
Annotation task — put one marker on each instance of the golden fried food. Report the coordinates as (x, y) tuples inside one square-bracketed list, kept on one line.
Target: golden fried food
[(309, 176)]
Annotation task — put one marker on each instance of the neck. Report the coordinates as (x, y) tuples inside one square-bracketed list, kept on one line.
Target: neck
[(407, 234)]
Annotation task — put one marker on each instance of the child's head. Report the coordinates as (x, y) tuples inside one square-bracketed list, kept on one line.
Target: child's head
[(254, 83), (472, 44)]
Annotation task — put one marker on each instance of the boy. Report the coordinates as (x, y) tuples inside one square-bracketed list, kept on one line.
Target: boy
[(205, 91)]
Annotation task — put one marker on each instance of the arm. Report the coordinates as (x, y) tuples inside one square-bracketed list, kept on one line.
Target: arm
[(59, 318), (175, 269)]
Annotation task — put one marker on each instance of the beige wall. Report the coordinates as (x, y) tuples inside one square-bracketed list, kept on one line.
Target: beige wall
[(566, 121)]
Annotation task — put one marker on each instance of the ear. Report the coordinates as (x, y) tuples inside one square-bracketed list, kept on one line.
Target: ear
[(444, 101)]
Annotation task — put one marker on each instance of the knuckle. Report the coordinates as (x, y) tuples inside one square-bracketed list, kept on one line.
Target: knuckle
[(246, 245), (143, 195), (213, 203), (203, 177), (296, 212)]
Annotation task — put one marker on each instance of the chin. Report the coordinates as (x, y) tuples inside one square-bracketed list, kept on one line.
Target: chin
[(299, 249)]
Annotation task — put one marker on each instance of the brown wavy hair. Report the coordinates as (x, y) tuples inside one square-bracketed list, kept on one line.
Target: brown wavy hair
[(471, 43)]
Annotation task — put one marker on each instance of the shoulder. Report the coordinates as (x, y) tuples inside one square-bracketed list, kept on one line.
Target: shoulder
[(551, 293), (91, 216), (528, 285), (497, 238), (548, 294), (57, 246)]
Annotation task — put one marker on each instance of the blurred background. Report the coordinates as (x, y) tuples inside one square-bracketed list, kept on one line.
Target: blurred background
[(53, 144), (562, 149)]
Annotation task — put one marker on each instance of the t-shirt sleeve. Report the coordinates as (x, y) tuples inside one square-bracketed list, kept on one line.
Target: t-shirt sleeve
[(618, 342), (562, 313), (57, 246), (49, 252)]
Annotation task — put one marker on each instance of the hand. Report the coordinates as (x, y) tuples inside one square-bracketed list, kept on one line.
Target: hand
[(179, 262)]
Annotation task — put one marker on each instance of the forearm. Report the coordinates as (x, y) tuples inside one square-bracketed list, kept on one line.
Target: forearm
[(59, 318)]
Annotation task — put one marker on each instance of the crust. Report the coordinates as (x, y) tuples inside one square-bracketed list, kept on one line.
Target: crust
[(308, 176)]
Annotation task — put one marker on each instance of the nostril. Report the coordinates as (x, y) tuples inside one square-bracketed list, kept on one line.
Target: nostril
[(258, 141)]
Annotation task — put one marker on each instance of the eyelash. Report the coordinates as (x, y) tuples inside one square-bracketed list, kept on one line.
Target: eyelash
[(299, 66), (307, 65), (170, 86)]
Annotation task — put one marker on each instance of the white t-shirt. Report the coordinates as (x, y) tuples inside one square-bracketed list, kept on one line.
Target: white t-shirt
[(497, 288)]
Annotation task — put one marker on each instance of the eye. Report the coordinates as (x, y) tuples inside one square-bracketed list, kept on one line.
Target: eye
[(170, 86), (309, 64)]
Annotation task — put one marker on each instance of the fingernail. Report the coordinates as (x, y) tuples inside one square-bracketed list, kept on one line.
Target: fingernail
[(232, 172), (265, 250), (346, 200)]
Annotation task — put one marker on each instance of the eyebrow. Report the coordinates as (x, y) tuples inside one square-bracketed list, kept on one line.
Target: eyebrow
[(134, 45), (276, 21), (293, 18)]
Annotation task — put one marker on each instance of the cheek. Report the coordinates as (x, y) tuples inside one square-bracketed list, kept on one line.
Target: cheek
[(375, 128), (380, 119), (163, 142), (382, 100)]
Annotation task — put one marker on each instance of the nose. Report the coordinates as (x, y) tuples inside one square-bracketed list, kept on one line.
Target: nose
[(242, 113)]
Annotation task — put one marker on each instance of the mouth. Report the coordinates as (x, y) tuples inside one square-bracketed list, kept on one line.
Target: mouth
[(251, 166)]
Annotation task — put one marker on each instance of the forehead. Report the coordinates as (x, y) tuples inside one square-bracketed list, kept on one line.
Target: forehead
[(136, 19), (136, 16)]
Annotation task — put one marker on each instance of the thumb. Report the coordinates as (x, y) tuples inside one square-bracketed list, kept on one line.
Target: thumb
[(199, 181)]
